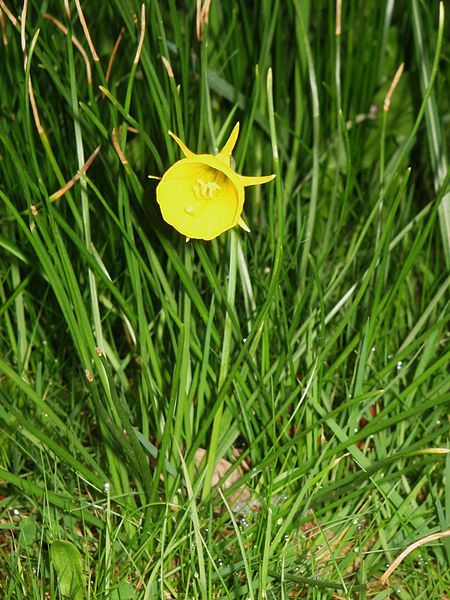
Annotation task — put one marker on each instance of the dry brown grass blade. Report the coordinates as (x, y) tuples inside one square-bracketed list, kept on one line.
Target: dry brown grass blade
[(117, 147), (3, 26), (387, 100), (141, 37), (202, 17), (9, 14), (113, 54), (86, 31), (429, 538), (76, 177), (75, 42)]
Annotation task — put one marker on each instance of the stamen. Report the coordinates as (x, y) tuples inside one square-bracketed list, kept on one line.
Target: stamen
[(204, 189), (212, 188)]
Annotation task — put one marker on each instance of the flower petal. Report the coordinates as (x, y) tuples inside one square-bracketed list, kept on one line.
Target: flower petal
[(246, 181), (225, 153), (184, 148), (243, 225)]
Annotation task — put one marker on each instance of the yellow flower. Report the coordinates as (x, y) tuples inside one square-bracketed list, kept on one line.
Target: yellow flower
[(201, 196)]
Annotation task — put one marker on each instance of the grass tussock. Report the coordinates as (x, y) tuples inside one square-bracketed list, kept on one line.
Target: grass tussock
[(260, 416)]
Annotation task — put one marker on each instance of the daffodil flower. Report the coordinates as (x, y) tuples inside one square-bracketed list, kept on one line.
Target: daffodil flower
[(201, 196)]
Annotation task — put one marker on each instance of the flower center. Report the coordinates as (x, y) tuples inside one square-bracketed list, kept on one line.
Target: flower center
[(204, 191)]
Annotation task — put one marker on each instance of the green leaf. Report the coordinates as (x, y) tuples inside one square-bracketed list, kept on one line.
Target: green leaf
[(68, 565), (28, 532), (124, 592)]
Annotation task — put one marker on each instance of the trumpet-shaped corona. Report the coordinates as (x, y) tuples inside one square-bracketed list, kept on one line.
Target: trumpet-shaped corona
[(201, 196)]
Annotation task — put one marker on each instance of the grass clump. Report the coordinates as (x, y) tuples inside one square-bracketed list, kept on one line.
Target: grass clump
[(260, 416)]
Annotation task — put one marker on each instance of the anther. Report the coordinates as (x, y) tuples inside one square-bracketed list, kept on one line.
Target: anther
[(204, 189)]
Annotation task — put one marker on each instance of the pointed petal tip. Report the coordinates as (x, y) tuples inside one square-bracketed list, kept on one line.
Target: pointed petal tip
[(181, 144), (243, 225), (256, 180), (226, 151)]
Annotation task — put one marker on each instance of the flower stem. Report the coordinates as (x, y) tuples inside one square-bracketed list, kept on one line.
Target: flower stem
[(224, 365)]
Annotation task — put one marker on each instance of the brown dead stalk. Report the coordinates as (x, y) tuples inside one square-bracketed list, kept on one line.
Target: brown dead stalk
[(76, 177)]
